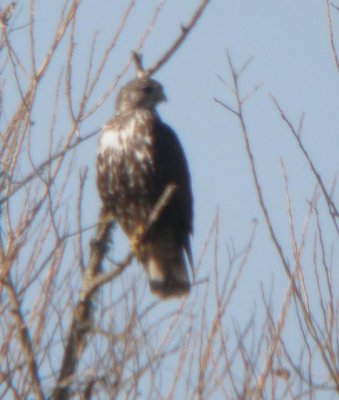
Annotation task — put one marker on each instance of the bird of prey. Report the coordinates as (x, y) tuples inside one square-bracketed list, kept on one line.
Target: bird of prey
[(138, 157)]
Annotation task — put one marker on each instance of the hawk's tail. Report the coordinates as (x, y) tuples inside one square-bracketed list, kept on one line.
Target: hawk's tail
[(167, 270)]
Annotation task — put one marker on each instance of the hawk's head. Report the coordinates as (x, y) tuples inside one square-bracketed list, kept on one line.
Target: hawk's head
[(140, 93)]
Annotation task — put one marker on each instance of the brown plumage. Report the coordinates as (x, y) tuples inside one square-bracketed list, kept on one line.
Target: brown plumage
[(138, 156)]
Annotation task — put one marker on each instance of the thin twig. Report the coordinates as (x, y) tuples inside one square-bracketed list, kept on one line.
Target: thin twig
[(137, 59), (46, 164), (334, 213), (227, 107), (24, 339), (185, 30), (330, 31), (250, 155)]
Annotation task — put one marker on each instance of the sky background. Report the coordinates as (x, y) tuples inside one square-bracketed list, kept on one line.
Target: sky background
[(291, 56)]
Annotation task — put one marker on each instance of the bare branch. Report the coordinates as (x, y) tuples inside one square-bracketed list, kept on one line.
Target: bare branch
[(227, 107), (137, 59), (331, 206), (254, 169), (185, 30), (24, 338), (46, 164), (92, 281), (330, 31)]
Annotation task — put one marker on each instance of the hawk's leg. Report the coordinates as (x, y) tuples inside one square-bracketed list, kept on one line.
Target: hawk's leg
[(136, 238)]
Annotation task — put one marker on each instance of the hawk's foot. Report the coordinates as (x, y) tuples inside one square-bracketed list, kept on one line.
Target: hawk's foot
[(136, 238)]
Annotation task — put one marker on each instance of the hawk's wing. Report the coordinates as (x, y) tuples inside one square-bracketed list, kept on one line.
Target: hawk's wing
[(172, 167)]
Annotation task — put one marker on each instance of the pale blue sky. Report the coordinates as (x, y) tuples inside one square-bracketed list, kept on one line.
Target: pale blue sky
[(289, 43)]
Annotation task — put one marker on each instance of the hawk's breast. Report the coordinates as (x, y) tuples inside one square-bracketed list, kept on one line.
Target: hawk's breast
[(125, 166)]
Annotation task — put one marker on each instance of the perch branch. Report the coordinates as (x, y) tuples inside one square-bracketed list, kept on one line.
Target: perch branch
[(93, 279), (153, 217), (81, 320)]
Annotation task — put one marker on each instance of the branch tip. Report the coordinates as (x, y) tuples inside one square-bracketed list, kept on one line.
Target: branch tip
[(137, 59)]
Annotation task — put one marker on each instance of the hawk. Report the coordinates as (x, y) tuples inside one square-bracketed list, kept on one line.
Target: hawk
[(138, 157)]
